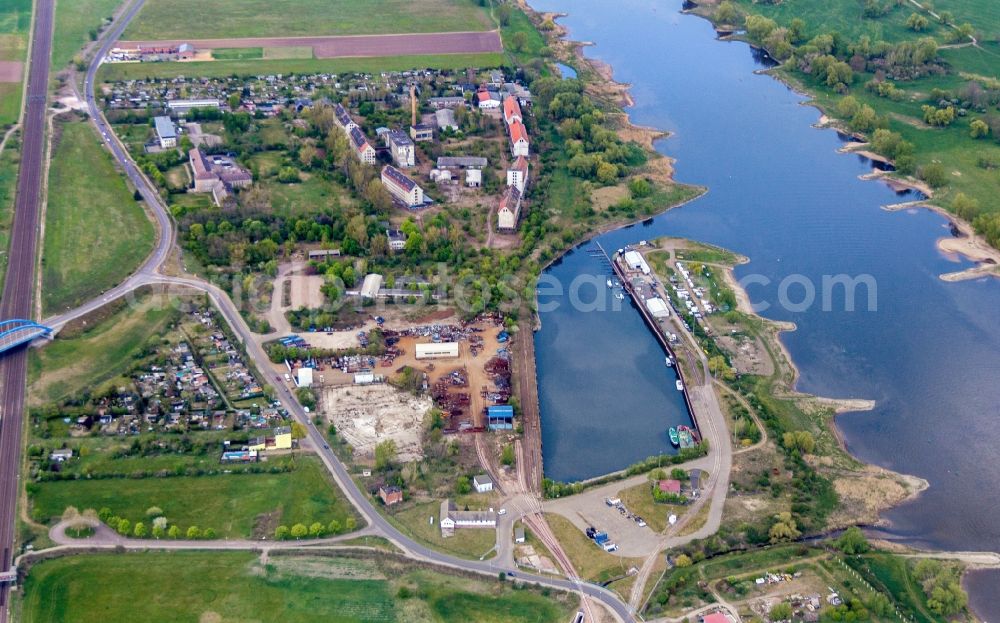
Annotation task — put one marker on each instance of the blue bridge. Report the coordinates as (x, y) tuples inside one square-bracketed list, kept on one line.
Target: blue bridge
[(15, 332)]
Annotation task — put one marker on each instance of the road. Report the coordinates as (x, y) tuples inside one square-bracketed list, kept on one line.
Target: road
[(149, 273), (19, 286)]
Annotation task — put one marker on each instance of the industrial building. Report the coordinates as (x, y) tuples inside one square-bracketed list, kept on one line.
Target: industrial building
[(181, 107), (166, 133), (437, 350), (635, 261), (482, 483), (371, 285), (305, 377), (422, 132), (500, 417), (657, 307)]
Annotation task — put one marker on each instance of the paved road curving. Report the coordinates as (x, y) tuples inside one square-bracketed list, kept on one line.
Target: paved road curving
[(149, 273)]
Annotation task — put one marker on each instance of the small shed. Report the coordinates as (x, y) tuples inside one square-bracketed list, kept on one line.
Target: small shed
[(305, 377)]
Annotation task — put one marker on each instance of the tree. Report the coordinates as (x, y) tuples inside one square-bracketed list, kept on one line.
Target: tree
[(682, 561), (350, 524), (209, 533), (334, 527), (299, 430), (864, 119), (780, 612), (385, 454), (518, 41), (965, 206), (194, 532), (503, 14), (299, 530), (316, 529), (462, 485), (853, 541), (917, 22), (978, 129), (139, 531), (801, 440), (234, 101), (124, 527), (281, 533), (934, 174), (174, 532), (784, 528), (71, 514), (507, 455), (726, 13), (157, 532), (154, 511)]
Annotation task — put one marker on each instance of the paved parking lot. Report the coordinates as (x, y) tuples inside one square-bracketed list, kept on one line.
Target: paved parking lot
[(589, 509)]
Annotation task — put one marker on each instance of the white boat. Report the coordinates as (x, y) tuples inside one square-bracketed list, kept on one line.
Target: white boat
[(680, 385), (669, 361), (619, 295), (609, 283)]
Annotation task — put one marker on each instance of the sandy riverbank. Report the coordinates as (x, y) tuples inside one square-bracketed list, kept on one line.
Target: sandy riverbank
[(967, 244)]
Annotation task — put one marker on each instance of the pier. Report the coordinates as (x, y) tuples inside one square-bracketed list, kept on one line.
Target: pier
[(651, 322)]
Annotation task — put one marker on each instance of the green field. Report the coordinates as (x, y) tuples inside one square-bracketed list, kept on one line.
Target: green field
[(15, 24), (75, 363), (74, 23), (9, 160), (191, 19), (117, 72), (225, 587), (237, 54), (471, 543), (96, 234), (231, 504)]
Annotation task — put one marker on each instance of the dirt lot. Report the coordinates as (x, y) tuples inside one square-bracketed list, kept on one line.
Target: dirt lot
[(367, 415), (305, 291), (358, 45)]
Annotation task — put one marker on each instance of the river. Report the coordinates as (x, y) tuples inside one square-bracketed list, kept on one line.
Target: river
[(780, 194)]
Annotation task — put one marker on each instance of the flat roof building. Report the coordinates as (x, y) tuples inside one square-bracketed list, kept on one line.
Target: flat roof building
[(401, 147), (371, 285), (183, 106), (437, 350), (461, 162)]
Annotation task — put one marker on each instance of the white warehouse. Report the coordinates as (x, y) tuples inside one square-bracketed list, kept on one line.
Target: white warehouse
[(437, 350)]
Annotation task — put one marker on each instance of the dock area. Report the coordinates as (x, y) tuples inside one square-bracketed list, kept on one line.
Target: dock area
[(639, 285)]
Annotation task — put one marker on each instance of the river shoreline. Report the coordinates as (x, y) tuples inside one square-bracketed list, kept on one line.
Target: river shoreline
[(970, 248)]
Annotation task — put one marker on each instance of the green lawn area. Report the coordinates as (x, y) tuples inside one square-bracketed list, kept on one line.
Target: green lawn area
[(74, 22), (117, 72), (237, 54), (192, 19), (231, 503), (75, 363), (96, 234), (469, 543), (224, 587), (639, 500)]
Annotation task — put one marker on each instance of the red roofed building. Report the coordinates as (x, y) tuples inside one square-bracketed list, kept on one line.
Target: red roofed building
[(670, 486), (519, 143), (487, 100), (715, 617), (511, 110)]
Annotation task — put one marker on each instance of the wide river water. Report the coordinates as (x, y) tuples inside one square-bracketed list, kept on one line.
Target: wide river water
[(779, 193)]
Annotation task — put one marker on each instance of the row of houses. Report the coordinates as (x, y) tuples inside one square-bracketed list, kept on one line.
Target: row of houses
[(509, 209)]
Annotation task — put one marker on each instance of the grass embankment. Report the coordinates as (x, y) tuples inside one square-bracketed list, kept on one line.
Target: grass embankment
[(76, 23), (117, 72), (96, 234), (466, 543), (15, 24), (231, 504), (229, 586), (590, 561), (9, 160), (192, 19), (84, 361)]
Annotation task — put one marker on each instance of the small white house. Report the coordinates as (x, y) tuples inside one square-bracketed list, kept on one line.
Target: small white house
[(482, 483), (473, 178), (61, 454)]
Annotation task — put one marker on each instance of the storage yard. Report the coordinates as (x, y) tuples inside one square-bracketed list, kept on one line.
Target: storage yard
[(366, 415)]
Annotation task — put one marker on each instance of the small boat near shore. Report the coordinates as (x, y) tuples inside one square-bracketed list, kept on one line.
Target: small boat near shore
[(610, 285), (669, 361), (686, 438), (680, 385), (675, 439)]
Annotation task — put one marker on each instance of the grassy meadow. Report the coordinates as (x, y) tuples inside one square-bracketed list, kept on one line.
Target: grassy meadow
[(96, 234), (233, 586), (75, 22), (191, 19)]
